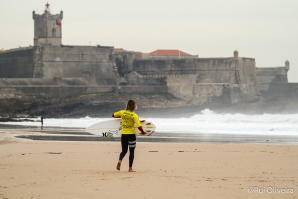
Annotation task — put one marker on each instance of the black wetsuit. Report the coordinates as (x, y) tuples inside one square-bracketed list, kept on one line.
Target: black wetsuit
[(128, 140)]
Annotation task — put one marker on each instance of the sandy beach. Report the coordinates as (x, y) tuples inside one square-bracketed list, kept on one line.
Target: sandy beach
[(55, 169)]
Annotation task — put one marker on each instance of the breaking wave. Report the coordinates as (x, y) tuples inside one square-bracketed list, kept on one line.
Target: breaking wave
[(207, 121)]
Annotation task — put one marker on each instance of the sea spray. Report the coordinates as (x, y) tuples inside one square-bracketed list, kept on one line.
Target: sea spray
[(206, 121)]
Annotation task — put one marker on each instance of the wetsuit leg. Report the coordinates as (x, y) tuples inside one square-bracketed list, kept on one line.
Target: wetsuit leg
[(132, 146), (124, 144)]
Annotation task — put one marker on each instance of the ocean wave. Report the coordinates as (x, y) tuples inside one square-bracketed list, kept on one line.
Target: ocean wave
[(206, 121)]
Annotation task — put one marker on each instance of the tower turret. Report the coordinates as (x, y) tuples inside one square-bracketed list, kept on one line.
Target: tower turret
[(287, 65), (235, 54), (47, 27)]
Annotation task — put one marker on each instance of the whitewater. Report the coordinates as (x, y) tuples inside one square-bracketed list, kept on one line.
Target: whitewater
[(205, 122)]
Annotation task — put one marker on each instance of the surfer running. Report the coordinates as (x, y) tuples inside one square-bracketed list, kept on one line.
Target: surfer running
[(128, 137)]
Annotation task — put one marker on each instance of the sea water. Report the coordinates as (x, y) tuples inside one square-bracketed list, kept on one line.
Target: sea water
[(206, 122)]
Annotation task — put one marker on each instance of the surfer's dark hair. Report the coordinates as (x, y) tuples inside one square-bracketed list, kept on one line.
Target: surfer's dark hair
[(131, 105)]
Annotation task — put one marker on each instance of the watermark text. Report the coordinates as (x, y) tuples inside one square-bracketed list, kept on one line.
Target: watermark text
[(270, 190)]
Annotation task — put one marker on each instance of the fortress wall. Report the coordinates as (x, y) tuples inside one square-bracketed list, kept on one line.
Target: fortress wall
[(25, 82), (146, 81), (71, 61), (143, 66), (208, 70), (216, 70), (56, 81), (283, 91), (219, 76), (74, 69), (215, 75), (75, 53), (180, 79), (215, 93), (142, 89), (246, 68), (181, 86), (17, 63), (271, 75), (268, 75), (51, 91), (206, 77), (186, 65), (106, 81), (246, 78), (155, 81), (202, 93), (125, 59), (209, 64), (271, 71)]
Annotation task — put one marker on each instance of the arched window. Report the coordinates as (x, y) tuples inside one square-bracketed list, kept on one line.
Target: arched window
[(54, 32)]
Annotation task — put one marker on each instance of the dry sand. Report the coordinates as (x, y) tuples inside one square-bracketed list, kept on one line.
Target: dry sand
[(38, 169)]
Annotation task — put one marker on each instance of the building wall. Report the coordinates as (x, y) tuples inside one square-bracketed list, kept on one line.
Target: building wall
[(48, 61), (164, 66), (51, 91), (283, 90), (135, 78), (268, 75), (17, 63), (208, 70), (71, 61), (196, 80), (216, 70)]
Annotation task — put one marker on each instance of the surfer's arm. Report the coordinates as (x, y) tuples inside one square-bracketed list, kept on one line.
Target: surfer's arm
[(141, 129), (115, 116), (138, 123), (118, 114)]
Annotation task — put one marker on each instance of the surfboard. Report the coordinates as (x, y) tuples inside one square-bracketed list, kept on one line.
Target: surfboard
[(113, 128)]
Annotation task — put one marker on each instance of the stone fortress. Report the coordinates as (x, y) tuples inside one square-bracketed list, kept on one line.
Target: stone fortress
[(51, 77)]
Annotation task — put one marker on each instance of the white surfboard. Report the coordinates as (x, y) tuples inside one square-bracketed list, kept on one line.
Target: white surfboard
[(113, 128)]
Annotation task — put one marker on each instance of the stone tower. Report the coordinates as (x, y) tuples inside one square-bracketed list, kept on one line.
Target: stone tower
[(47, 28)]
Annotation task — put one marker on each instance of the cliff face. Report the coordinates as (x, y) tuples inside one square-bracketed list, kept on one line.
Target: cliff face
[(93, 105), (150, 104)]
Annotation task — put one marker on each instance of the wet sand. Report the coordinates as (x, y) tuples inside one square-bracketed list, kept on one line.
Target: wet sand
[(79, 134), (76, 169)]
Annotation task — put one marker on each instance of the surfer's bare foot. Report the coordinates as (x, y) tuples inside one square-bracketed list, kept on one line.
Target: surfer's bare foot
[(118, 165), (131, 170)]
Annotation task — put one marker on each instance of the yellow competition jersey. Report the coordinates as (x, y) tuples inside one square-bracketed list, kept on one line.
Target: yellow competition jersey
[(128, 119)]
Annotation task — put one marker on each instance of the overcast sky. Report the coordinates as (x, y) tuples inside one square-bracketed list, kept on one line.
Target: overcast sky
[(266, 30)]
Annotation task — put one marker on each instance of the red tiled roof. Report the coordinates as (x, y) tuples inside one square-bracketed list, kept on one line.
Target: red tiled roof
[(169, 53), (119, 49)]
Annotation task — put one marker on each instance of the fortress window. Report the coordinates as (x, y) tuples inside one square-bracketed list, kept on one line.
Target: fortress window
[(54, 32)]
